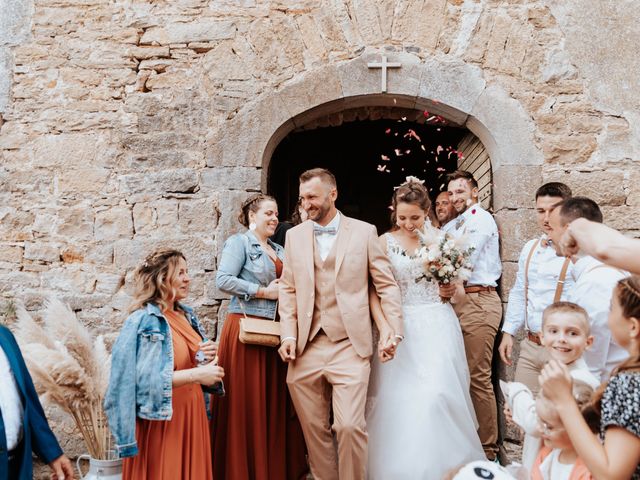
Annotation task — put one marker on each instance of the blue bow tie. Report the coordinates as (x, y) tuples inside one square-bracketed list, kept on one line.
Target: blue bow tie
[(317, 230)]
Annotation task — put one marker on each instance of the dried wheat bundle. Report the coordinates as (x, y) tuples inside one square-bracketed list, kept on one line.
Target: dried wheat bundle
[(69, 370)]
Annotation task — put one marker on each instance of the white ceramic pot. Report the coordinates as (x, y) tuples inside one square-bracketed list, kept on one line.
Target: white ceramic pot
[(100, 469)]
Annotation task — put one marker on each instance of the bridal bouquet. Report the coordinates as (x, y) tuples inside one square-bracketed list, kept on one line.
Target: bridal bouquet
[(444, 257)]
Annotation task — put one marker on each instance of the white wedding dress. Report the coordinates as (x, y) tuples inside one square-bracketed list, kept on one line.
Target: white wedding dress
[(420, 417)]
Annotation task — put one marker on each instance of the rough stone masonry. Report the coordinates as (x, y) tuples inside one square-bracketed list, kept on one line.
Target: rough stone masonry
[(125, 125)]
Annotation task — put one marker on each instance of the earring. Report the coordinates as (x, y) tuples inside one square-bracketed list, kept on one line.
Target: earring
[(252, 226)]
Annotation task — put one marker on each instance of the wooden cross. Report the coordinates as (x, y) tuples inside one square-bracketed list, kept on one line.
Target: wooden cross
[(384, 65)]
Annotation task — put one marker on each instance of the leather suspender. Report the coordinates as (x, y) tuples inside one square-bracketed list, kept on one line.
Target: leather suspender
[(563, 275)]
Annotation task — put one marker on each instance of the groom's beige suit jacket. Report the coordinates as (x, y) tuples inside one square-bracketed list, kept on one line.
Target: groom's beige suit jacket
[(360, 261)]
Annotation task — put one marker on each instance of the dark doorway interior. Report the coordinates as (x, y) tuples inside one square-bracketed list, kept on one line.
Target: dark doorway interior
[(368, 158)]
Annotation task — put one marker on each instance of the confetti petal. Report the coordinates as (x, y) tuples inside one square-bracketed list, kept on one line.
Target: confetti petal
[(385, 158), (407, 152), (398, 152), (387, 131), (439, 150), (412, 134), (426, 114), (440, 169), (423, 149)]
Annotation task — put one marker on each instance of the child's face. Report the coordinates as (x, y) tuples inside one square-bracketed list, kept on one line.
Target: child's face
[(565, 337), (552, 431)]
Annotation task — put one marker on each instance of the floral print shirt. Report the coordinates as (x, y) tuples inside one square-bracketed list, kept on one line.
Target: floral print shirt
[(621, 406)]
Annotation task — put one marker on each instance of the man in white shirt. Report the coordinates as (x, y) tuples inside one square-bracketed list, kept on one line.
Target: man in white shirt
[(480, 310), (542, 279), (593, 288)]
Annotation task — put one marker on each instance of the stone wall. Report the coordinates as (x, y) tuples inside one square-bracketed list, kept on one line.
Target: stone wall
[(119, 127)]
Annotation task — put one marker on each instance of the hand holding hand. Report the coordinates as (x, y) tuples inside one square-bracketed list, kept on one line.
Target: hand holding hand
[(209, 349), (506, 348), (386, 349), (271, 291), (209, 374), (287, 350), (556, 382), (61, 469)]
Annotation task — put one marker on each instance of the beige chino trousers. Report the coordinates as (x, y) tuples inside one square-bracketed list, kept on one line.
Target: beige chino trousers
[(480, 315)]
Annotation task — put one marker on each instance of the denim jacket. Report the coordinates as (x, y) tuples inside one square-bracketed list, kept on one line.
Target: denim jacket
[(141, 378), (243, 268)]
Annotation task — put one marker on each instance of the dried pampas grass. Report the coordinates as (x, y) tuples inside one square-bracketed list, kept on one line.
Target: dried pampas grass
[(68, 369)]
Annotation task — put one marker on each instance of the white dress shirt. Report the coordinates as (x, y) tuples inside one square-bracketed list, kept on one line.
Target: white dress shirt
[(325, 241), (10, 403), (481, 231), (544, 271), (593, 288)]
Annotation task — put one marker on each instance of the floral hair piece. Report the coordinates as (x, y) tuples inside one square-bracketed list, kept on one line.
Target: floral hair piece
[(408, 180)]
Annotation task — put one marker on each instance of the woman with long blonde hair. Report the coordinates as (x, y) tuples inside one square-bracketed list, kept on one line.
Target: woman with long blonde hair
[(155, 403)]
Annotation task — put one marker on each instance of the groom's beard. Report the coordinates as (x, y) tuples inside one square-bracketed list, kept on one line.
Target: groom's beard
[(318, 213)]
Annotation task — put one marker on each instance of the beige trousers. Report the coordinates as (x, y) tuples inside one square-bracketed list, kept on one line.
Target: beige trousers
[(332, 374), (480, 315), (530, 363)]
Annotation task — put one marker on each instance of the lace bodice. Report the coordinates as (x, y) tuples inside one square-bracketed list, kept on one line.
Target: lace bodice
[(406, 269)]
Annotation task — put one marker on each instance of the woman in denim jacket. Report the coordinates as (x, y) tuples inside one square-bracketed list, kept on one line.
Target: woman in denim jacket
[(255, 433), (155, 376)]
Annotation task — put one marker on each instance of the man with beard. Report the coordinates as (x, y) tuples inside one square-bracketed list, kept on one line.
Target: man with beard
[(480, 310), (543, 278), (444, 209), (594, 283), (326, 325)]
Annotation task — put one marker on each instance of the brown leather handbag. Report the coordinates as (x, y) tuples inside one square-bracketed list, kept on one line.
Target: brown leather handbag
[(259, 331)]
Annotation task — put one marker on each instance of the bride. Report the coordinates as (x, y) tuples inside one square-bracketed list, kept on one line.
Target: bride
[(420, 417)]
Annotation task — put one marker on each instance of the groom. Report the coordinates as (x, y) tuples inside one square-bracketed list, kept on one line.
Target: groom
[(326, 325)]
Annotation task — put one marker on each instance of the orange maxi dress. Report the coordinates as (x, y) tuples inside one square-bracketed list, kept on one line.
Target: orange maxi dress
[(180, 448), (256, 434)]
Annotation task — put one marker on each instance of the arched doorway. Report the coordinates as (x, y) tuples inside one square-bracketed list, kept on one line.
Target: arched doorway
[(243, 149), (371, 150)]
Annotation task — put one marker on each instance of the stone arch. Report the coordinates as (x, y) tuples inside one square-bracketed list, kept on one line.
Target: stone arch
[(447, 86)]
